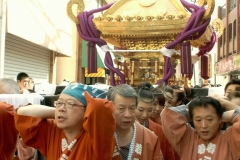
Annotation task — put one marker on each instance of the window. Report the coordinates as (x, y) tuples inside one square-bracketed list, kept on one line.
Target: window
[(232, 5), (220, 41), (224, 36), (223, 11), (234, 29), (224, 42), (234, 37), (230, 31)]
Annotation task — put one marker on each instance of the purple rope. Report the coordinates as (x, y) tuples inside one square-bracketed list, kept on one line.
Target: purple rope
[(198, 35), (109, 65), (190, 22), (86, 38), (210, 45), (189, 6), (191, 28), (186, 35), (167, 64), (92, 28), (108, 62), (200, 13), (86, 25), (100, 9), (88, 32), (83, 32), (204, 51), (193, 22)]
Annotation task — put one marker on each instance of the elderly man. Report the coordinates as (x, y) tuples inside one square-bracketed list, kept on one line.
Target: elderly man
[(8, 132), (206, 141), (83, 127), (132, 140)]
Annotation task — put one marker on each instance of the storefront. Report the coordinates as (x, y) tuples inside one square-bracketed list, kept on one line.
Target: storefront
[(227, 69), (37, 33), (24, 56)]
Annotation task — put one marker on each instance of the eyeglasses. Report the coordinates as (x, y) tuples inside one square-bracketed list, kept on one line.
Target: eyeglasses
[(66, 105)]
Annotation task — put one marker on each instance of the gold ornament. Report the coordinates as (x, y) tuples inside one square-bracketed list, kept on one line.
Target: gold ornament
[(80, 9)]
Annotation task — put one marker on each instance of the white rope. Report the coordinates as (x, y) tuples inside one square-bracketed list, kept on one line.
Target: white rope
[(132, 144), (167, 52)]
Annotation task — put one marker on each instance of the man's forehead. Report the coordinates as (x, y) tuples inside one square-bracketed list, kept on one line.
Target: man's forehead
[(125, 103), (233, 86), (25, 79), (204, 111)]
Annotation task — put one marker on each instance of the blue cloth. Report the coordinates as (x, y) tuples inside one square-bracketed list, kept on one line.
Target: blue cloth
[(77, 91)]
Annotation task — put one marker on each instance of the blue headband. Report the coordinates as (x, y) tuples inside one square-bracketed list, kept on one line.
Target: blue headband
[(77, 91)]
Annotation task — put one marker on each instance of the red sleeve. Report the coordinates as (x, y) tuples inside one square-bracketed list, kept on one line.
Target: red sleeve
[(176, 129), (156, 151), (167, 150), (99, 123), (8, 132), (233, 134), (34, 131)]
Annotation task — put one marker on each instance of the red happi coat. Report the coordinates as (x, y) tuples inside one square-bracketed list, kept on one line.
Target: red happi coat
[(166, 148), (95, 142), (147, 143), (190, 146), (8, 132)]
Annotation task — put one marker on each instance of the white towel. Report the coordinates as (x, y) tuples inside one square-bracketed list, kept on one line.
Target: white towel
[(21, 99)]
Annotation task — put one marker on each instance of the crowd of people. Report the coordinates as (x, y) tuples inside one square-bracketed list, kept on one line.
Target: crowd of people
[(122, 123)]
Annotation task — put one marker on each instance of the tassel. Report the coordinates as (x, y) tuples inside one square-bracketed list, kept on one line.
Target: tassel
[(205, 66), (186, 59)]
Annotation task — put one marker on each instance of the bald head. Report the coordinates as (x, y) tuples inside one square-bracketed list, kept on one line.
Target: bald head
[(9, 86)]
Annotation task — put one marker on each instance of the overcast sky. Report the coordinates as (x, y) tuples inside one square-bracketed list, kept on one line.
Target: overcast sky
[(217, 3)]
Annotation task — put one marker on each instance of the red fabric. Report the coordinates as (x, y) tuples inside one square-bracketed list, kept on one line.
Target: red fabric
[(190, 146), (157, 120), (25, 152), (8, 132), (166, 148), (96, 142), (149, 142)]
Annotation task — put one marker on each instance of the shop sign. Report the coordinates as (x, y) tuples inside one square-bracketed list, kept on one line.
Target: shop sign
[(227, 65)]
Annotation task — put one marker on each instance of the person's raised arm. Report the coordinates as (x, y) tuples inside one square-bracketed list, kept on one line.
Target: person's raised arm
[(175, 128), (100, 125), (224, 102), (229, 107), (40, 111), (227, 116)]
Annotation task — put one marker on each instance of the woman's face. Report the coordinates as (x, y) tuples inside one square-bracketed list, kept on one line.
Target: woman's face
[(175, 101), (168, 99), (157, 108), (144, 111)]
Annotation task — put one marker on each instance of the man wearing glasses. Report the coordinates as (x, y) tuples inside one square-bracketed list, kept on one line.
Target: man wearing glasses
[(83, 127)]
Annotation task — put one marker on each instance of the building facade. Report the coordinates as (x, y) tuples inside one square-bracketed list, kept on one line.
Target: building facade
[(228, 50), (38, 38), (35, 35)]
